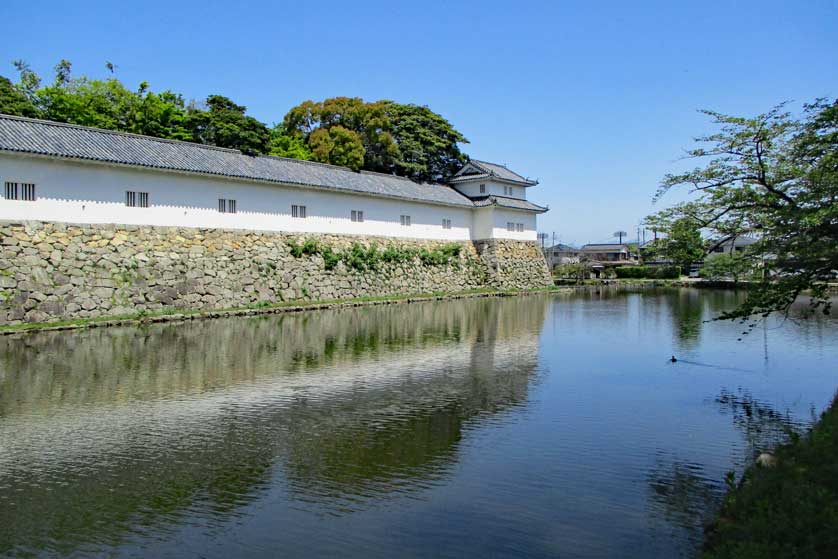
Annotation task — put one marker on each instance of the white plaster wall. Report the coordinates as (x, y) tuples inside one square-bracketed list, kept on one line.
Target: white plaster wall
[(492, 188), (501, 216), (490, 223), (80, 192)]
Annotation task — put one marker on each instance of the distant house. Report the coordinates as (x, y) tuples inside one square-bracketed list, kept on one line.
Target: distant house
[(730, 245), (616, 254), (560, 254)]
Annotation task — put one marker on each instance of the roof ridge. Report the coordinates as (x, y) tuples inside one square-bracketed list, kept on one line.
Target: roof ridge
[(491, 163), (116, 132)]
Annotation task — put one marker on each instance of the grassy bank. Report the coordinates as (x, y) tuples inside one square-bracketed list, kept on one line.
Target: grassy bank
[(789, 510), (172, 315)]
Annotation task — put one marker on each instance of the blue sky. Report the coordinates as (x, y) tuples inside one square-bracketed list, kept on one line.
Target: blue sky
[(595, 99)]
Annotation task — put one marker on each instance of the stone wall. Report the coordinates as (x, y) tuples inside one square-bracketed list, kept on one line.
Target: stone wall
[(513, 264), (57, 271)]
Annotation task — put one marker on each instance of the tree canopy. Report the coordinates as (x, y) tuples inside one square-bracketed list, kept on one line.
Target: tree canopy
[(382, 136), (774, 177)]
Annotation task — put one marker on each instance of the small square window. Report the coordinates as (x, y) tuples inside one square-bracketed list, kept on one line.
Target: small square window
[(446, 224), (135, 199), (27, 192), (405, 219), (298, 211), (226, 206), (482, 189), (357, 215)]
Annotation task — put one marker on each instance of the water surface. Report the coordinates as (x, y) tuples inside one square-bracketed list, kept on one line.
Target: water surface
[(539, 426)]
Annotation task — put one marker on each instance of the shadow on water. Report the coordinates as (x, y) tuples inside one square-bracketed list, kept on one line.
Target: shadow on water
[(110, 434)]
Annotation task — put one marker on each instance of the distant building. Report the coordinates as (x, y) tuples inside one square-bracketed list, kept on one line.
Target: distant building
[(560, 254), (599, 257), (616, 254), (730, 245)]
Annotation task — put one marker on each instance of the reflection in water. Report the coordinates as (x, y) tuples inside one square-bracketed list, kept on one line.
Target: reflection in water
[(762, 427), (685, 496), (531, 427), (350, 405)]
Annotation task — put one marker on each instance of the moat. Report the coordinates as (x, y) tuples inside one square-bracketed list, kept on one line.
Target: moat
[(535, 426)]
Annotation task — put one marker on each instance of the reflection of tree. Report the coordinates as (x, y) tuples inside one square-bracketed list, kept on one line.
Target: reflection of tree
[(688, 315), (762, 427), (126, 428), (684, 496)]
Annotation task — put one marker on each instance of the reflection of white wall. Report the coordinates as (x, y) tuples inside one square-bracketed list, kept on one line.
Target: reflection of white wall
[(493, 188), (79, 192), (33, 440)]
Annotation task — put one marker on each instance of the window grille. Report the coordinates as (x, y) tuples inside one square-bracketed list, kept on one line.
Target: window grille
[(298, 211), (405, 220), (482, 189), (446, 224), (27, 191), (226, 206), (357, 215), (11, 191), (135, 199)]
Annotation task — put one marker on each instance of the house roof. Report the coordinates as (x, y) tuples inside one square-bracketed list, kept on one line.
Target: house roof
[(606, 247), (486, 170), (739, 241), (504, 202), (40, 137), (563, 247)]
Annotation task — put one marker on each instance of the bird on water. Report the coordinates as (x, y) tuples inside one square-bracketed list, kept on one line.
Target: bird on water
[(673, 359)]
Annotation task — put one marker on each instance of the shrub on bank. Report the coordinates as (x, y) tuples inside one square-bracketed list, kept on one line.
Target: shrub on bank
[(786, 510), (362, 258), (648, 272)]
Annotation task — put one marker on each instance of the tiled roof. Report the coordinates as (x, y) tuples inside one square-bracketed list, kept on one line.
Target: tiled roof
[(514, 203), (26, 135), (606, 247), (493, 170)]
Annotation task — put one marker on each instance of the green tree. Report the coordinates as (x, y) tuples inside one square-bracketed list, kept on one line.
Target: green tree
[(338, 146), (287, 145), (13, 101), (734, 265), (162, 115), (225, 124), (407, 140), (428, 144), (778, 176), (682, 244)]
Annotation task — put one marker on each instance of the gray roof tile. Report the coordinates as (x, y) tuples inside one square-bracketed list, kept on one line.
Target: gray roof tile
[(41, 137), (514, 203), (494, 170)]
